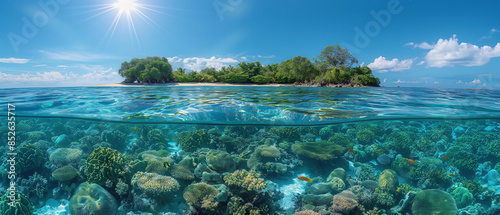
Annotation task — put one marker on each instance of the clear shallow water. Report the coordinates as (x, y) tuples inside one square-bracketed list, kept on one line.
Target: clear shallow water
[(253, 105), (208, 134)]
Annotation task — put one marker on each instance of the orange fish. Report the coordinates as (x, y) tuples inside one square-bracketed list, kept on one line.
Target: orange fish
[(425, 140), (444, 157), (303, 178), (351, 151), (412, 161), (452, 175)]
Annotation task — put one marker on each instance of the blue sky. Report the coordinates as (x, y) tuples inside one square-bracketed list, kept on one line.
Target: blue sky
[(409, 43)]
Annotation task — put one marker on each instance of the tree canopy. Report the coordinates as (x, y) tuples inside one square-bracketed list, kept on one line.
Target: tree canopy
[(334, 65)]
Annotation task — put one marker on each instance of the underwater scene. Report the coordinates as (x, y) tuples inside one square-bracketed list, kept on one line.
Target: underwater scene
[(250, 150)]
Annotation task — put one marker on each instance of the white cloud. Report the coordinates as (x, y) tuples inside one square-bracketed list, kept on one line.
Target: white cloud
[(270, 56), (492, 31), (460, 82), (423, 45), (74, 56), (40, 65), (244, 58), (198, 63), (405, 82), (62, 66), (14, 60), (421, 62), (474, 82), (55, 78), (385, 79), (436, 82), (448, 53), (383, 65)]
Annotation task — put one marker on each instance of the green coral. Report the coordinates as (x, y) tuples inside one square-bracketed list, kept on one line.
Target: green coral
[(342, 140), (155, 186), (220, 161), (477, 139), (290, 134), (429, 202), (30, 158), (462, 197), (115, 138), (388, 181), (23, 205), (319, 150), (65, 156), (104, 164), (365, 136), (245, 180), (494, 148), (328, 131), (384, 199), (192, 140), (91, 198), (401, 141), (462, 159), (66, 173), (201, 195), (402, 166)]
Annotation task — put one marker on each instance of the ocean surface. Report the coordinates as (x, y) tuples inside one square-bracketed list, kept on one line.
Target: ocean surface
[(252, 150)]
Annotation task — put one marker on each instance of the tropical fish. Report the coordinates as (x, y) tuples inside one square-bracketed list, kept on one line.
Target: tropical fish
[(134, 128), (444, 157), (303, 178), (412, 161), (425, 140), (351, 151), (452, 175), (166, 164)]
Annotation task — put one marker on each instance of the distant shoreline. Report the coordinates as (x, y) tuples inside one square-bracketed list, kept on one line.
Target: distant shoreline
[(198, 84)]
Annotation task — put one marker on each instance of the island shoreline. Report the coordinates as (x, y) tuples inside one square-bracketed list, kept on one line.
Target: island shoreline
[(201, 84)]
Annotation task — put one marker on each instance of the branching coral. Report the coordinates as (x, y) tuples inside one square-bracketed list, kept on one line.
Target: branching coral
[(290, 134), (401, 141), (319, 150), (245, 180), (462, 159)]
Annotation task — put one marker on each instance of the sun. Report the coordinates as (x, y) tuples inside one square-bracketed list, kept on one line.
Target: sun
[(125, 9), (125, 5)]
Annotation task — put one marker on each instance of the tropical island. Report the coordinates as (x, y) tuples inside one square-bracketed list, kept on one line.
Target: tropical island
[(333, 67)]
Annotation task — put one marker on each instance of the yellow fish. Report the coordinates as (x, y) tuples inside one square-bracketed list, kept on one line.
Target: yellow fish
[(134, 128)]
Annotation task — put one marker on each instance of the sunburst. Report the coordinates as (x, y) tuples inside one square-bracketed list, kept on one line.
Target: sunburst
[(125, 9)]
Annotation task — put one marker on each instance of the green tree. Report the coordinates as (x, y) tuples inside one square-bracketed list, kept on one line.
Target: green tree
[(333, 56), (298, 69), (148, 70)]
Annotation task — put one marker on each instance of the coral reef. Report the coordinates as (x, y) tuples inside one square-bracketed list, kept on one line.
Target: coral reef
[(192, 140), (243, 179), (155, 186), (104, 164), (388, 181)]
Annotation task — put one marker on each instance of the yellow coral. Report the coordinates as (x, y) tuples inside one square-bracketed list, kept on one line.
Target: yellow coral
[(247, 180)]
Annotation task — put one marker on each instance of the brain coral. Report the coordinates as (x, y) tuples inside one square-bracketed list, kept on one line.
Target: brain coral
[(104, 164), (92, 199), (319, 150), (388, 181), (23, 206), (428, 202), (156, 186)]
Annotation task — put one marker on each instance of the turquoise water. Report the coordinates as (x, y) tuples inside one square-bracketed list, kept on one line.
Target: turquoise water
[(240, 150)]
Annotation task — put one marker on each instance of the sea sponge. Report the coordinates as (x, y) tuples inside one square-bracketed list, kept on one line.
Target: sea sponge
[(201, 195), (65, 156), (388, 181), (66, 173), (91, 198), (192, 140), (428, 202), (30, 158), (184, 169), (319, 150), (23, 206), (462, 197), (104, 164), (245, 180), (220, 161), (156, 186), (365, 136)]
